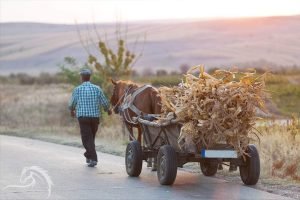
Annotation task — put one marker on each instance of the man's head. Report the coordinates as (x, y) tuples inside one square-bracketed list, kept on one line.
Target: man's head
[(85, 75)]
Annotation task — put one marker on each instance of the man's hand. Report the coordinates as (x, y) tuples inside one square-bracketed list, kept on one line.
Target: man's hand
[(73, 113), (109, 112)]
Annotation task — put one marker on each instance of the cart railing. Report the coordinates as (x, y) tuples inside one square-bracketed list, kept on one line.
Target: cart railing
[(166, 122)]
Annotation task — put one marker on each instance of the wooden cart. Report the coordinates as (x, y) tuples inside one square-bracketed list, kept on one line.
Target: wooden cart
[(160, 141)]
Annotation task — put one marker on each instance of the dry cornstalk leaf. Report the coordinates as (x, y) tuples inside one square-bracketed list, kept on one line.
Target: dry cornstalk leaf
[(216, 108)]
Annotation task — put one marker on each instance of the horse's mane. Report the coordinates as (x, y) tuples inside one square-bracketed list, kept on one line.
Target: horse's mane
[(129, 82)]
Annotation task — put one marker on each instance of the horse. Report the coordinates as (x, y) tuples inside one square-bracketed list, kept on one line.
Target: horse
[(148, 101), (145, 100)]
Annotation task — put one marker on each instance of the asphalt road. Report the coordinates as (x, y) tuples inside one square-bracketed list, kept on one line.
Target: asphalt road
[(72, 179)]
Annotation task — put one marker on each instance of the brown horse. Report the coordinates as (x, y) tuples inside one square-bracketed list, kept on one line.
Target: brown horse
[(148, 102)]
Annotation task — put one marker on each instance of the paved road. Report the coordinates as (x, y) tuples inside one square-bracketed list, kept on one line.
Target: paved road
[(72, 179)]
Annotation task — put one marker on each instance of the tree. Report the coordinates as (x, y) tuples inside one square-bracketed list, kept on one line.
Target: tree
[(117, 64), (106, 62)]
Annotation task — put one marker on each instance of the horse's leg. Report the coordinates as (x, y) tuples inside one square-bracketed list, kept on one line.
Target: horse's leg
[(139, 134), (129, 128), (149, 160), (154, 165)]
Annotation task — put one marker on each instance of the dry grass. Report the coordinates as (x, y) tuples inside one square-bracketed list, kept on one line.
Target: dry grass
[(279, 150), (34, 106), (41, 112)]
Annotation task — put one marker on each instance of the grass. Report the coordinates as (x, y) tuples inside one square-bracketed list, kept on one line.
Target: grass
[(279, 150), (286, 97)]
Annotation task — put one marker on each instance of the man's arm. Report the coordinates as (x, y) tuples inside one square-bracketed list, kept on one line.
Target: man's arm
[(73, 102), (103, 101)]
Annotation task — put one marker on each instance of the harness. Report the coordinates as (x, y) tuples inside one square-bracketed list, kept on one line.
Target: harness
[(127, 105)]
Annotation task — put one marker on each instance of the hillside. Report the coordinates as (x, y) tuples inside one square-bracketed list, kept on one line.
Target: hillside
[(33, 47)]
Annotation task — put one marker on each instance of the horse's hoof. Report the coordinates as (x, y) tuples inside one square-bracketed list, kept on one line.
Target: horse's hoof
[(149, 163), (154, 169)]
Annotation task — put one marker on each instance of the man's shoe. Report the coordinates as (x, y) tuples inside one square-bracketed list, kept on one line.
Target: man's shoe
[(92, 163), (88, 160)]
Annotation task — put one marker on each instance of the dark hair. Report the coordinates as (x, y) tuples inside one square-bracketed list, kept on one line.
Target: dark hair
[(85, 77)]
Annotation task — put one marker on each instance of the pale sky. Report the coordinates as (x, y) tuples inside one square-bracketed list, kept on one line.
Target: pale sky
[(67, 11)]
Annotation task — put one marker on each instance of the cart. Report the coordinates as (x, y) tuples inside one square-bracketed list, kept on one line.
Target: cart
[(160, 141)]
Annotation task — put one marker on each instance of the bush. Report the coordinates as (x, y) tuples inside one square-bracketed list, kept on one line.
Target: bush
[(70, 71)]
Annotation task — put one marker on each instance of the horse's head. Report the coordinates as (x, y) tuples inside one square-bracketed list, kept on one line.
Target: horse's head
[(120, 89)]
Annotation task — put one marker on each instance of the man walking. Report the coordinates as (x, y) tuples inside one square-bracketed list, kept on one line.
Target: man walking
[(85, 103)]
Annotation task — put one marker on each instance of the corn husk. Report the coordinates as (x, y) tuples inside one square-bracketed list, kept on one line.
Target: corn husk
[(216, 109)]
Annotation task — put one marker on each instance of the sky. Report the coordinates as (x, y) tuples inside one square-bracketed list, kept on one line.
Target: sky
[(83, 11)]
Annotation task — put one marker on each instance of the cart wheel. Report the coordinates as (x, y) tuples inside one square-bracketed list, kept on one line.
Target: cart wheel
[(134, 158), (251, 169), (167, 165), (208, 167)]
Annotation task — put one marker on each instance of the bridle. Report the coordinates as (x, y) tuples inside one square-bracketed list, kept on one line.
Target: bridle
[(119, 103), (124, 106), (124, 112)]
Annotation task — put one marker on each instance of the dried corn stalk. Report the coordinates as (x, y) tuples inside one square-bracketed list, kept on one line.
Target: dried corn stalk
[(216, 108)]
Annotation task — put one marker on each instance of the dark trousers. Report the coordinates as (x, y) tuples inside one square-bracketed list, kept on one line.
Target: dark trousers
[(88, 130)]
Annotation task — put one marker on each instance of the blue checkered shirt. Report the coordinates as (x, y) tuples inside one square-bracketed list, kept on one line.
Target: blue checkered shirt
[(87, 100)]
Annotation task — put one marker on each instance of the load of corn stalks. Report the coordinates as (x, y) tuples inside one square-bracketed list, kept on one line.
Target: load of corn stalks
[(216, 108)]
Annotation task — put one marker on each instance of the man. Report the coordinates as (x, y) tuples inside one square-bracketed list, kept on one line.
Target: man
[(85, 102)]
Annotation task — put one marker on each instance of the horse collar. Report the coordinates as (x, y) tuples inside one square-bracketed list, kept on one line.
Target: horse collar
[(129, 99)]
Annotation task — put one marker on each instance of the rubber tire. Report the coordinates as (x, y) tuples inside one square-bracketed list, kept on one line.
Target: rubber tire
[(134, 163), (250, 172), (208, 167), (166, 165)]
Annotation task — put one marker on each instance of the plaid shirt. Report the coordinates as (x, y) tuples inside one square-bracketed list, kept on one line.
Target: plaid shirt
[(87, 99)]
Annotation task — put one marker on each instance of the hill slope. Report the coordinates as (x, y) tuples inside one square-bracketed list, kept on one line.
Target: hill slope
[(33, 47)]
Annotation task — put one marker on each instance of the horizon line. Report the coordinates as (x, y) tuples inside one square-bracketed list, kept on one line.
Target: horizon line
[(155, 20)]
